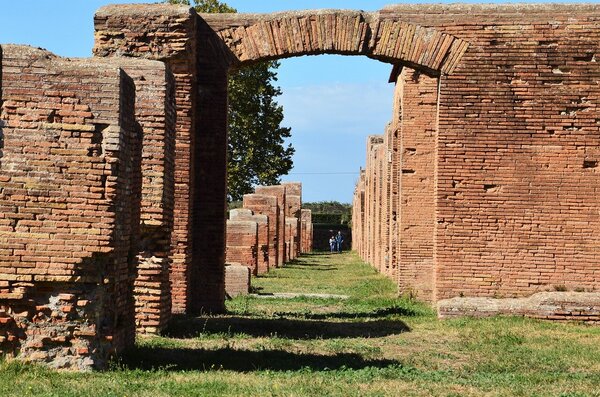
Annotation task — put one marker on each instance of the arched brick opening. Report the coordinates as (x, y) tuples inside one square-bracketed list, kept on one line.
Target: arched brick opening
[(255, 37), (201, 49), (492, 68)]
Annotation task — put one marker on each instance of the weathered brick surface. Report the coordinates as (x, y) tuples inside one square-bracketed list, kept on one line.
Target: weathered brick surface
[(562, 306), (155, 114), (70, 199), (292, 235), (497, 157), (262, 222), (417, 193), (267, 206), (237, 280), (294, 204), (177, 36), (496, 123), (306, 233), (279, 192), (242, 244)]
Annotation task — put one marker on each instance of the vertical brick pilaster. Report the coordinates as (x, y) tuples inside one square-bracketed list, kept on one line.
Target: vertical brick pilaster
[(417, 205)]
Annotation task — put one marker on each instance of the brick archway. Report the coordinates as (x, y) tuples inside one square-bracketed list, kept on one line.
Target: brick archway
[(495, 68), (200, 50), (255, 37)]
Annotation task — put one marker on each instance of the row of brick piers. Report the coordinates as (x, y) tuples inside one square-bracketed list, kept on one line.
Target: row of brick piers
[(270, 229)]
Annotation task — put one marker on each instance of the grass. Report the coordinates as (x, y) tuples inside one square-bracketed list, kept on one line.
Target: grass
[(372, 344)]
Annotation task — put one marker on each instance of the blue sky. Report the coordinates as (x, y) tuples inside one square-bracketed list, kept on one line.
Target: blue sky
[(331, 102)]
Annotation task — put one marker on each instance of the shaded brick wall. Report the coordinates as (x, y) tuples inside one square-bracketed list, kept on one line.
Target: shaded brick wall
[(237, 280), (517, 136), (155, 114), (70, 194), (294, 202), (147, 35), (514, 169)]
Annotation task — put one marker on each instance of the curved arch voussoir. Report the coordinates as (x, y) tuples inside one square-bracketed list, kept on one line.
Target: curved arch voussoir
[(256, 37)]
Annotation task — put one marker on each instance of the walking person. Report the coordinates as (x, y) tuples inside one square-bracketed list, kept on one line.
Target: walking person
[(332, 244), (339, 239)]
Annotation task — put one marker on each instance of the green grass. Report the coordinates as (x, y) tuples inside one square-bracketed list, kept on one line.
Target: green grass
[(372, 344)]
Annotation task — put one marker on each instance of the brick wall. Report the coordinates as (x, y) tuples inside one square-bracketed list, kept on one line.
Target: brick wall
[(294, 202), (155, 114), (280, 193), (498, 157), (70, 194), (417, 179), (242, 244), (514, 158), (237, 280), (262, 221), (306, 231), (267, 206)]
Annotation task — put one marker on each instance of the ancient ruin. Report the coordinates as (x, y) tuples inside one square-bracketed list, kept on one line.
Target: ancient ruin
[(113, 176), (255, 235)]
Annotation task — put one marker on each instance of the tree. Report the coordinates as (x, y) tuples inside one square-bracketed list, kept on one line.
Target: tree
[(257, 154)]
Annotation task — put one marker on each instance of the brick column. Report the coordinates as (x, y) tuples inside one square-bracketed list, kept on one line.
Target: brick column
[(243, 214), (70, 208), (267, 206), (242, 244), (280, 193), (417, 205), (306, 225), (210, 178), (294, 193)]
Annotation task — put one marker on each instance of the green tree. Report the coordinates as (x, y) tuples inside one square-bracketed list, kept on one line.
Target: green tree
[(257, 154)]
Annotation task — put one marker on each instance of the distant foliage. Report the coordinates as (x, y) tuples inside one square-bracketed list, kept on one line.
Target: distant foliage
[(257, 153), (330, 212)]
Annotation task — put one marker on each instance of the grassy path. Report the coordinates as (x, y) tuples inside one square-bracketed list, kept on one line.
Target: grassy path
[(372, 344)]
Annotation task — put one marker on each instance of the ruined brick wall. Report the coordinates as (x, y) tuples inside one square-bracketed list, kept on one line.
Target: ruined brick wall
[(155, 114), (294, 208), (174, 34), (395, 149), (280, 193), (386, 197), (242, 244), (515, 209), (306, 231), (518, 128), (242, 214), (508, 150), (290, 232), (267, 206), (70, 194), (358, 219), (294, 202)]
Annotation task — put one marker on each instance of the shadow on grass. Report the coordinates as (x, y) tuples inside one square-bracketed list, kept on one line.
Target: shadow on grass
[(319, 268), (186, 327), (181, 359), (379, 313)]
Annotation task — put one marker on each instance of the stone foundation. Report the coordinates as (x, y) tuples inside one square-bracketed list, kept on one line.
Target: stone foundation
[(561, 306)]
